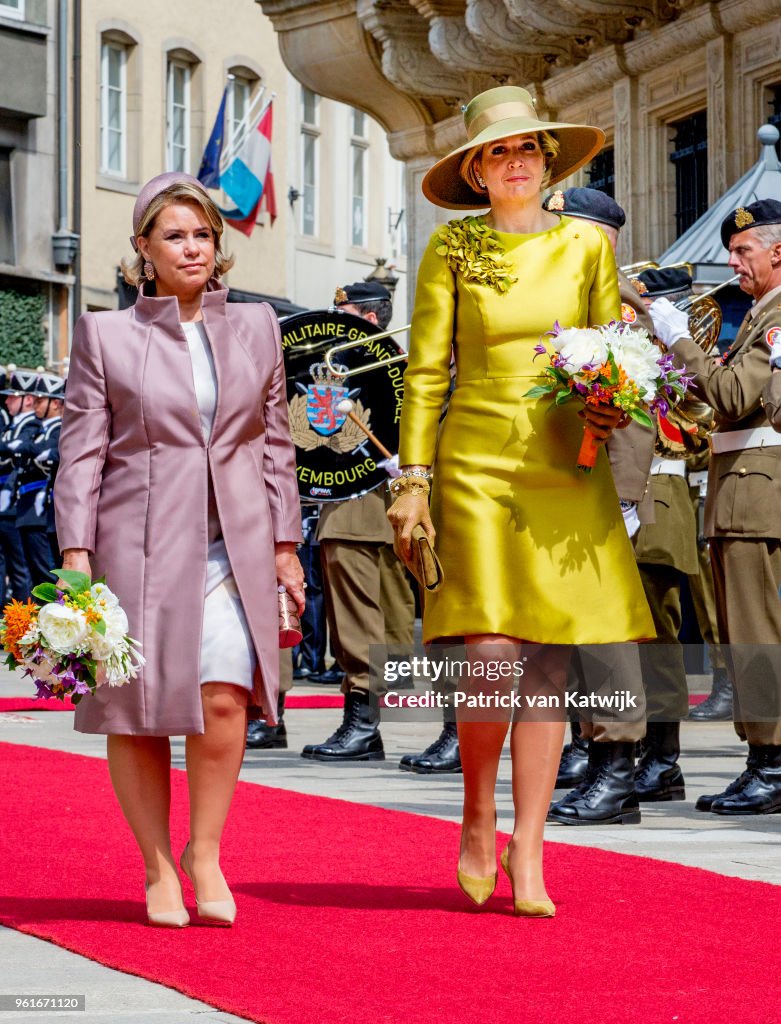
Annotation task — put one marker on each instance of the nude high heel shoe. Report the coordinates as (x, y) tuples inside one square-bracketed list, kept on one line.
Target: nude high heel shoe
[(216, 911), (166, 918), (476, 889), (526, 908)]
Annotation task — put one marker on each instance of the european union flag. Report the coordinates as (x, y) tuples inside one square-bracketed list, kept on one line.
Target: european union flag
[(209, 174)]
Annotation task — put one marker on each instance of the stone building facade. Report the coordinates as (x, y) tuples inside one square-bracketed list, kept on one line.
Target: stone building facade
[(36, 276), (679, 86)]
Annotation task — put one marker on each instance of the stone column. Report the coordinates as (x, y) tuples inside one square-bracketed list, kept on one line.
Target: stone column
[(723, 128), (631, 192)]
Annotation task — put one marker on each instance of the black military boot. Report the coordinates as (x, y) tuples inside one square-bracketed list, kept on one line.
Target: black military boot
[(658, 775), (440, 758), (761, 789), (262, 736), (574, 760), (717, 706), (706, 801), (607, 794), (357, 738)]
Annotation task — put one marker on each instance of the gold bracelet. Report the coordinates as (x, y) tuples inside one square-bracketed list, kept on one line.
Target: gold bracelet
[(409, 484)]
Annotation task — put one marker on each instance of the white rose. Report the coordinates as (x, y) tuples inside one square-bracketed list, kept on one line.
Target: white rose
[(103, 595), (581, 347), (102, 645), (63, 628), (637, 356)]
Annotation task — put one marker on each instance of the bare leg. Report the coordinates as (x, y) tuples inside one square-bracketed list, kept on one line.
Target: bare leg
[(213, 763), (480, 743), (535, 746), (140, 769)]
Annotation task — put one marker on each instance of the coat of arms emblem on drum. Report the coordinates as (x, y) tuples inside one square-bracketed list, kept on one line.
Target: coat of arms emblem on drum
[(316, 418)]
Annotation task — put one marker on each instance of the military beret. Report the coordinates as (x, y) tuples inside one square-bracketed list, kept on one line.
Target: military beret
[(755, 215), (361, 291), (589, 203), (665, 281)]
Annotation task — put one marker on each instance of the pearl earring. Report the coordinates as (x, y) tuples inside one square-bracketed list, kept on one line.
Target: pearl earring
[(149, 270), (480, 181)]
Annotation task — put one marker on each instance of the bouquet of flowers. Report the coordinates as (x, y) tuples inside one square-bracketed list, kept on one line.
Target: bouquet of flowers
[(612, 364), (73, 641)]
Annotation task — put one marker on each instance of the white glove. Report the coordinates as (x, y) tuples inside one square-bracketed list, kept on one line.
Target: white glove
[(670, 323), (391, 466), (631, 518), (775, 355)]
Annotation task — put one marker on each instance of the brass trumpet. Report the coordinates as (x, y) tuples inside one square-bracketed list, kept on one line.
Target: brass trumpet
[(343, 373)]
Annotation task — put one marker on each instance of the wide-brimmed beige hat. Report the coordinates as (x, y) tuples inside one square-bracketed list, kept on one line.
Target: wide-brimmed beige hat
[(497, 114)]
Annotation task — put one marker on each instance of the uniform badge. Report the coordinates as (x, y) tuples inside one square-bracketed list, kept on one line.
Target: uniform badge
[(340, 297), (743, 218), (639, 286), (773, 336), (628, 314)]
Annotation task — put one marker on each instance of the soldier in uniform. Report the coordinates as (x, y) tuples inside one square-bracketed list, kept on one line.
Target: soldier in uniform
[(717, 706), (23, 425), (742, 519), (599, 761), (37, 459), (368, 598), (666, 552)]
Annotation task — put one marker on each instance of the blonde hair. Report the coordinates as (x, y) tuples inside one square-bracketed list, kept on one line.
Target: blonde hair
[(549, 145), (181, 192)]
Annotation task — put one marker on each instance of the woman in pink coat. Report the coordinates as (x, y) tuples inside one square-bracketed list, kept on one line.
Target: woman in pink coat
[(177, 482)]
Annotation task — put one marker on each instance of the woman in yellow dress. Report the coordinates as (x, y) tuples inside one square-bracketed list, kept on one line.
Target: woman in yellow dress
[(533, 550)]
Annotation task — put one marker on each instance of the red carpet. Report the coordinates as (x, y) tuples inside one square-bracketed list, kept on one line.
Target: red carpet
[(351, 914), (312, 700)]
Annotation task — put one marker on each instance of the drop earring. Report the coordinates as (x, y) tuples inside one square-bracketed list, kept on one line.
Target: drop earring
[(480, 181), (149, 270)]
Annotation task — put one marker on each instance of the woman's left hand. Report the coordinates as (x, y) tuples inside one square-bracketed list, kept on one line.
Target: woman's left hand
[(602, 420), (290, 573)]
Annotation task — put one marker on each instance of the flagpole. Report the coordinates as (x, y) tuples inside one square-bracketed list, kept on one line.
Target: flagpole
[(247, 124)]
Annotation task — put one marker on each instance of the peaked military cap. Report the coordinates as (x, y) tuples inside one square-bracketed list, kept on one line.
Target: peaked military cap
[(49, 385), (20, 381), (589, 203), (665, 281), (361, 291), (755, 215)]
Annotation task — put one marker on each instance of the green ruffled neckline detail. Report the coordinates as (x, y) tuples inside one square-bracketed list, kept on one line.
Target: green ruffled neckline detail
[(475, 251)]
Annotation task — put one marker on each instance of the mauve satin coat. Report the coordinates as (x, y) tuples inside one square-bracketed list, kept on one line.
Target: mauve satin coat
[(132, 489)]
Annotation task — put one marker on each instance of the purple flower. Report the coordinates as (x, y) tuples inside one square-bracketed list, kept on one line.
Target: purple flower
[(43, 690), (540, 349)]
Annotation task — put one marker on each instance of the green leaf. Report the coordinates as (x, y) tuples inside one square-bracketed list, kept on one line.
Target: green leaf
[(91, 666), (100, 627), (560, 375), (563, 396), (45, 592), (76, 697), (641, 417), (611, 359), (539, 390), (76, 581)]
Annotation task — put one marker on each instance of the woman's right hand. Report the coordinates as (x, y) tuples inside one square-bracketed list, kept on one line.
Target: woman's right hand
[(406, 512), (77, 559)]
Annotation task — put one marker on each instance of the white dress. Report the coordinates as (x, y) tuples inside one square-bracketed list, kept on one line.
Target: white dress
[(227, 652)]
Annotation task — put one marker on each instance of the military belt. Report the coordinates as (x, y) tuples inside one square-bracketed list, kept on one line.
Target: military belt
[(668, 467), (739, 440), (36, 485)]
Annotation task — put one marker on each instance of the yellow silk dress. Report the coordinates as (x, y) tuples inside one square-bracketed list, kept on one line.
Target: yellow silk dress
[(531, 546)]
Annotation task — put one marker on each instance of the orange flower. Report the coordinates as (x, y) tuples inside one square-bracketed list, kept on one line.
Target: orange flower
[(17, 618)]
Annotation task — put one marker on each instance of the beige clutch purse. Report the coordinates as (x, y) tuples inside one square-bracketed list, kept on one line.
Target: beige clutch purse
[(424, 564)]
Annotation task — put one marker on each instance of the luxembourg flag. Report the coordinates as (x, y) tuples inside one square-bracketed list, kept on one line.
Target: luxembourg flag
[(248, 179)]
